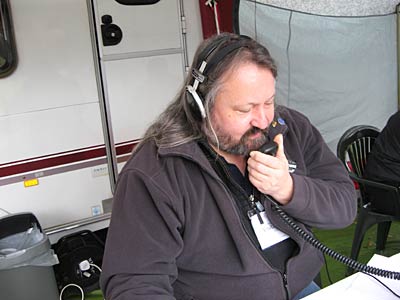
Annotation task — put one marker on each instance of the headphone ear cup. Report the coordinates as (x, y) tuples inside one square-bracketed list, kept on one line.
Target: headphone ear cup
[(195, 102)]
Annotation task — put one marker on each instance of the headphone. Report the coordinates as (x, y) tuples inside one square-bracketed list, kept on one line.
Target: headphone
[(213, 54)]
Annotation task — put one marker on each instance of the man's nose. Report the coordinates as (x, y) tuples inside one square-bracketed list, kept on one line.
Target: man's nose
[(260, 119)]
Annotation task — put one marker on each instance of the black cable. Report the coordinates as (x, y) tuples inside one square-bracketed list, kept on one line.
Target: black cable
[(388, 288), (355, 265), (328, 275)]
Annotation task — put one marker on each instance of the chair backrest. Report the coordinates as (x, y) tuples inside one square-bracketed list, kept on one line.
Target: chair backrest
[(354, 146), (353, 149)]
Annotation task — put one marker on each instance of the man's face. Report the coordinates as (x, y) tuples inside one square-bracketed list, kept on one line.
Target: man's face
[(243, 109)]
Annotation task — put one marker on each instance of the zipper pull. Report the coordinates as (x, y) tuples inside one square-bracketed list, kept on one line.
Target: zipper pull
[(251, 199), (284, 276), (252, 211), (255, 209)]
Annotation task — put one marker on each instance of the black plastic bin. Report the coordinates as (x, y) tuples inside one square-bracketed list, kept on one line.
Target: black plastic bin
[(26, 260)]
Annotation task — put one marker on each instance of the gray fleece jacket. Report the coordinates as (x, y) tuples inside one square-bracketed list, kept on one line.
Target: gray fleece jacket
[(176, 233)]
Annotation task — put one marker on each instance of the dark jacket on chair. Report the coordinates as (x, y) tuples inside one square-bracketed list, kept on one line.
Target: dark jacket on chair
[(384, 159)]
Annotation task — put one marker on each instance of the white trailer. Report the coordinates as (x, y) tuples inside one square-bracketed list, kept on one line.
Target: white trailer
[(90, 77)]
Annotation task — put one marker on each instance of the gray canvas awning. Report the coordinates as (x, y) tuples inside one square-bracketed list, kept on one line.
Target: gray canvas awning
[(337, 61)]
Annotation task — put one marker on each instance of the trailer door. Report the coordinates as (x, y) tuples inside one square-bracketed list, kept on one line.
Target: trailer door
[(143, 59)]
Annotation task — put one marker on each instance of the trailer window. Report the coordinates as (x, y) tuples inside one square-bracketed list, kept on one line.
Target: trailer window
[(8, 57), (137, 2)]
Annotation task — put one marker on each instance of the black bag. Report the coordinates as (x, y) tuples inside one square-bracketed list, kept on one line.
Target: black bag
[(80, 255)]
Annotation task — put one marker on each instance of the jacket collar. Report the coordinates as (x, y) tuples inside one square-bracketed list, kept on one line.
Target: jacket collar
[(190, 151)]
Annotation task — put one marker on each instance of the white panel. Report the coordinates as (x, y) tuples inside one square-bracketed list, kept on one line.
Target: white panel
[(49, 131), (144, 27), (55, 63), (50, 103), (139, 89), (58, 199)]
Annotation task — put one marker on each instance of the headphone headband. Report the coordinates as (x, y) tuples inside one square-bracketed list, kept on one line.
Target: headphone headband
[(213, 54), (220, 53)]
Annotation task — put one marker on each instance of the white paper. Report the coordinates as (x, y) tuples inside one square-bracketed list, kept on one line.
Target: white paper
[(371, 287), (361, 286)]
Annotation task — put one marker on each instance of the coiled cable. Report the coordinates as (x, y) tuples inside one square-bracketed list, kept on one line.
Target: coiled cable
[(355, 265)]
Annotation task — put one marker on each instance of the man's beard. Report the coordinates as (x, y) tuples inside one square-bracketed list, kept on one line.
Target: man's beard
[(242, 147)]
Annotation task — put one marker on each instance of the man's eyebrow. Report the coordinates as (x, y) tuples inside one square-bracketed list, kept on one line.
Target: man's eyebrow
[(270, 98), (236, 106)]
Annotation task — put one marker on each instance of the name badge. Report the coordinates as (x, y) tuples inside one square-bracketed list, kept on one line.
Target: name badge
[(266, 233)]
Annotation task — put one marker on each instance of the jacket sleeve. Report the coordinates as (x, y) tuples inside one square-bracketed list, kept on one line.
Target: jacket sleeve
[(143, 242), (324, 196)]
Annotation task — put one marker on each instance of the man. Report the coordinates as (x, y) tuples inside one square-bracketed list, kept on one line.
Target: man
[(190, 218), (384, 160)]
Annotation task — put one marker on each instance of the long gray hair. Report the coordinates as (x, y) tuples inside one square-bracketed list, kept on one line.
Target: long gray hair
[(180, 123)]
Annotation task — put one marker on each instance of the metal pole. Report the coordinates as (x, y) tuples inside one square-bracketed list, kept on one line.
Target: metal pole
[(398, 55)]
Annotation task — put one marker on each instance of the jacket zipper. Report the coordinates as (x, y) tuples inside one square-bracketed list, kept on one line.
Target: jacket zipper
[(253, 205), (285, 284), (246, 229)]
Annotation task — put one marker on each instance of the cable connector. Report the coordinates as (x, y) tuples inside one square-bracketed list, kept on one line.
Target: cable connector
[(84, 265)]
